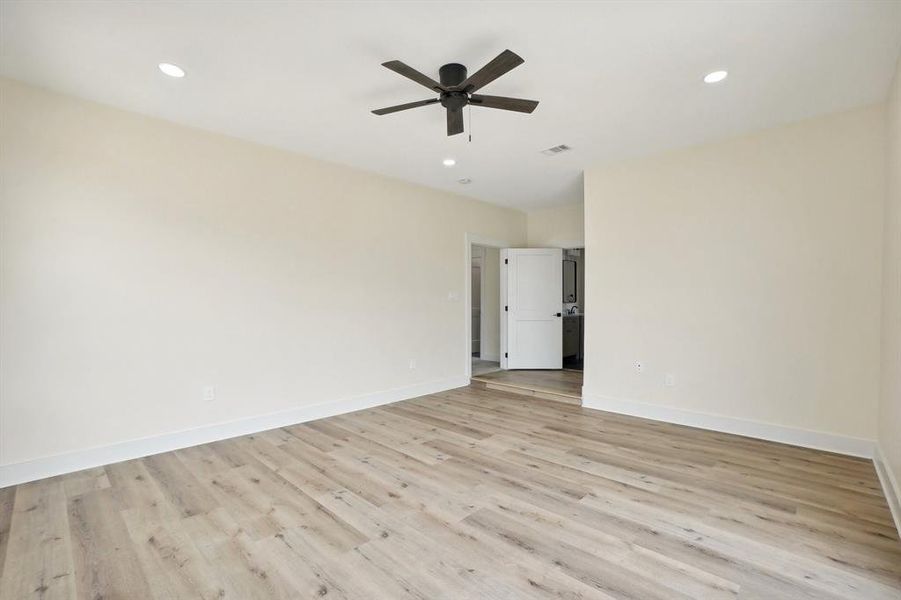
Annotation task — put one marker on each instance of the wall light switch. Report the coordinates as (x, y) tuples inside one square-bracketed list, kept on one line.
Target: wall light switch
[(669, 380), (453, 296), (209, 393)]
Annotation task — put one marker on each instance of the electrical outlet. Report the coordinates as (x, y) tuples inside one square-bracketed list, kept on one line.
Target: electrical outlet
[(209, 393), (669, 380), (639, 366), (412, 363), (453, 296)]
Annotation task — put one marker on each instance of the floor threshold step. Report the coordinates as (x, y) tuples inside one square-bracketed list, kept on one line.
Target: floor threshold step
[(528, 390)]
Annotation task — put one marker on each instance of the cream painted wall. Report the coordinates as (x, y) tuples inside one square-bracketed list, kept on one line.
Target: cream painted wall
[(890, 401), (557, 227), (142, 261), (750, 270)]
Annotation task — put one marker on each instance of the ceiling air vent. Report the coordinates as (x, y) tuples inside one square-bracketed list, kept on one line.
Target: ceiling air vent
[(556, 150)]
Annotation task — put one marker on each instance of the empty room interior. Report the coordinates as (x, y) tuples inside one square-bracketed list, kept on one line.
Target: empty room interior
[(450, 300)]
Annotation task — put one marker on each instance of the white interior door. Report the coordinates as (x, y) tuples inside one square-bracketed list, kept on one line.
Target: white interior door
[(531, 318)]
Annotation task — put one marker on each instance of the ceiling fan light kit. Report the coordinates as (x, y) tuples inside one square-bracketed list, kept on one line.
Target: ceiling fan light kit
[(456, 90)]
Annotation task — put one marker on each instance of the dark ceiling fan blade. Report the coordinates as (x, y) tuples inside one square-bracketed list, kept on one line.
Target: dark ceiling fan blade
[(399, 107), (454, 121), (502, 63), (503, 103), (411, 73)]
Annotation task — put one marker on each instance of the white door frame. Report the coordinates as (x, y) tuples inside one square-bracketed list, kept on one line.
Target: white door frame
[(479, 240)]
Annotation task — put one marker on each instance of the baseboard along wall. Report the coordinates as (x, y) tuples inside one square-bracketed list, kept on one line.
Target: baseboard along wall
[(889, 486), (859, 447), (765, 431), (24, 472)]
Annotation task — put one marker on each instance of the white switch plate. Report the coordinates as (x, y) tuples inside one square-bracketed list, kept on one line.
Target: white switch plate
[(669, 380), (412, 363), (453, 296), (209, 393), (639, 366)]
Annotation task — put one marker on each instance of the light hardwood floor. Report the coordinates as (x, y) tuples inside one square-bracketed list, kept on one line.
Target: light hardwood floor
[(480, 367), (466, 494)]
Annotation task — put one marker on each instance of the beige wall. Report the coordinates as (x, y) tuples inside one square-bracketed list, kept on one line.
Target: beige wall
[(557, 227), (750, 270), (890, 402), (142, 261)]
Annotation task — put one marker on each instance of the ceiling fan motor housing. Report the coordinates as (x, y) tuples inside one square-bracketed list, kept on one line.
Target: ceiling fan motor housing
[(452, 75)]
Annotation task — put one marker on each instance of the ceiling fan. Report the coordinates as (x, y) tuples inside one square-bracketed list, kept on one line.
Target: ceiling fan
[(456, 90)]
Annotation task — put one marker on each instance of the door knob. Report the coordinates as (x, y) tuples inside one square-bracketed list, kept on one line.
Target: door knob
[(558, 315)]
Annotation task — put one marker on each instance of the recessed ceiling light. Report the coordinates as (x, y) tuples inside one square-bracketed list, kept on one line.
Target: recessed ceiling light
[(172, 70), (465, 181), (449, 162), (715, 76)]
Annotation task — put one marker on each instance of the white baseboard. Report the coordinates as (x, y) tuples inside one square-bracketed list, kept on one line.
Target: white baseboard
[(889, 486), (765, 431), (94, 457)]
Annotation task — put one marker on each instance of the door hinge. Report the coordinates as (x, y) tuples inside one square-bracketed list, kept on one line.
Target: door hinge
[(506, 308), (506, 355), (506, 261)]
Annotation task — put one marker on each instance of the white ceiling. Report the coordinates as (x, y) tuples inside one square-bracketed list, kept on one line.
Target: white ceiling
[(615, 79)]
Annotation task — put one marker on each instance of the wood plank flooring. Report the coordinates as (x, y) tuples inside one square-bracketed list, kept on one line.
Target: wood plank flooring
[(480, 367), (466, 494)]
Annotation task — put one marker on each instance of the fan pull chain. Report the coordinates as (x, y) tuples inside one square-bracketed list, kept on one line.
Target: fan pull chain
[(470, 123)]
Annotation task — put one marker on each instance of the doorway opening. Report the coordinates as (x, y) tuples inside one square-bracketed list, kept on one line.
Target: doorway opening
[(541, 317), (485, 309), (573, 308)]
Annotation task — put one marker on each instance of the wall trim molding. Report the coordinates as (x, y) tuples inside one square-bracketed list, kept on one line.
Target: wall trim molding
[(70, 462), (818, 440), (889, 485)]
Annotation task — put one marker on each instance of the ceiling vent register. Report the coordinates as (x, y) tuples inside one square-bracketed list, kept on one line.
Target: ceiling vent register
[(556, 150)]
